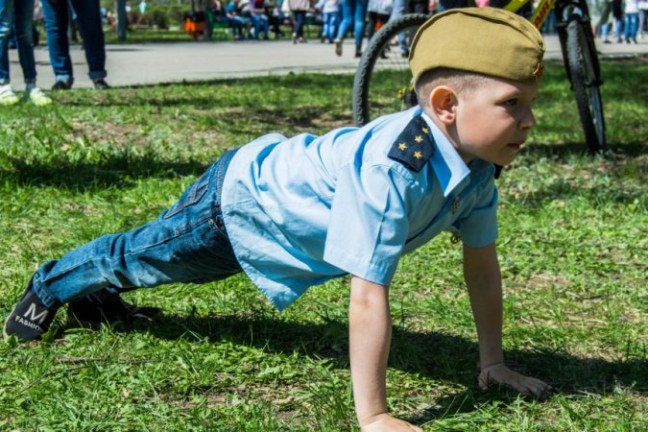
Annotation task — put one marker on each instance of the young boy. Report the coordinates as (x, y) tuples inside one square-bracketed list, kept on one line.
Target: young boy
[(297, 212)]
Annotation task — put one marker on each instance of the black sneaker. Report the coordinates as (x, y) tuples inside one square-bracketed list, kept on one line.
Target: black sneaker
[(107, 307), (30, 318), (100, 84), (62, 85)]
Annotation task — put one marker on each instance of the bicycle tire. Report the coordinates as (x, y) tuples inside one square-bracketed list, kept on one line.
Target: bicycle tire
[(585, 82), (377, 56)]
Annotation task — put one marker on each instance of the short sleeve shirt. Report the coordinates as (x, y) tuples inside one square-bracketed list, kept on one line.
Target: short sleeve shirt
[(300, 211)]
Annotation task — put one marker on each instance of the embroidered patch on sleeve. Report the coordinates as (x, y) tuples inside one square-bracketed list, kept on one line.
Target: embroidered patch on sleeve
[(414, 146)]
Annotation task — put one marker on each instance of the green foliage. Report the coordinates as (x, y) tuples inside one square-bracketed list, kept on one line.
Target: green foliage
[(572, 246)]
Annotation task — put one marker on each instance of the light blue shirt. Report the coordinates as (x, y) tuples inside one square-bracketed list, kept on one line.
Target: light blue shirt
[(300, 211)]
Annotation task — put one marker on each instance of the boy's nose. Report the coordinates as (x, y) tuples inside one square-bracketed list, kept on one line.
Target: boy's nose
[(528, 120)]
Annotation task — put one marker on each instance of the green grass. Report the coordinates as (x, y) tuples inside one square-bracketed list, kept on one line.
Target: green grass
[(573, 247)]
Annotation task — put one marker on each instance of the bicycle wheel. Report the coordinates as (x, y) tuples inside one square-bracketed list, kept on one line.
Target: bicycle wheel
[(585, 81), (382, 81)]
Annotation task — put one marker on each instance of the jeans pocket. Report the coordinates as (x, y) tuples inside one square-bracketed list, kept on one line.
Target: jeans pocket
[(217, 223), (191, 196)]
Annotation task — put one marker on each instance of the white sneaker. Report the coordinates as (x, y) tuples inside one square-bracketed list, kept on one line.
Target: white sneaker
[(39, 98), (7, 96), (338, 47)]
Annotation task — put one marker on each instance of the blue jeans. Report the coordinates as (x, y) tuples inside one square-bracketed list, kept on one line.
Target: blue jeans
[(353, 12), (329, 26), (631, 22), (298, 25), (237, 24), (56, 15), (260, 23), (22, 13), (399, 9), (187, 243)]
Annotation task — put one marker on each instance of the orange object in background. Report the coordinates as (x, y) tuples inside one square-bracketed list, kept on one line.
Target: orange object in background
[(194, 24)]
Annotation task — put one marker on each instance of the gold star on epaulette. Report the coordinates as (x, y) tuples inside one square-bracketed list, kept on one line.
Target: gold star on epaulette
[(414, 146)]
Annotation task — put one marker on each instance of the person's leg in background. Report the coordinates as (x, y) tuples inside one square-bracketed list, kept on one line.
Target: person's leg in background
[(360, 16), (630, 31), (399, 9), (298, 28), (348, 9), (89, 20), (24, 26), (7, 96), (55, 15)]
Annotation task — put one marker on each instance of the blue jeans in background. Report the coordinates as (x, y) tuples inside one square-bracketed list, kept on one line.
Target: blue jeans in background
[(56, 14), (329, 25), (298, 26), (353, 12), (20, 12), (631, 25), (260, 23), (187, 243)]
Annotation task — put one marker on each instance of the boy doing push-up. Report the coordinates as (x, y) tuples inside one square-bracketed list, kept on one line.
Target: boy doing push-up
[(296, 212)]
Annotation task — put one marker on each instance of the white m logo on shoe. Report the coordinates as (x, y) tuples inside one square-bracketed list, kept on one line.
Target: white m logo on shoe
[(32, 316)]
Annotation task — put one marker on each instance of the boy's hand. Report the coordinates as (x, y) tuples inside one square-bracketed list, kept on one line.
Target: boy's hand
[(387, 423), (501, 374)]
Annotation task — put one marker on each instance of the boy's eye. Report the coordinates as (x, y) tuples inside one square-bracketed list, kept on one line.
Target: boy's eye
[(510, 102)]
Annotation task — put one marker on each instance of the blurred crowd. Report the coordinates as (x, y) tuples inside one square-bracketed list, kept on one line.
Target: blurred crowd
[(614, 21)]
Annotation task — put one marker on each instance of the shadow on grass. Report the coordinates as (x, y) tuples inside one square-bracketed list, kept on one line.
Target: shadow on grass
[(439, 356), (122, 169), (114, 171), (613, 165)]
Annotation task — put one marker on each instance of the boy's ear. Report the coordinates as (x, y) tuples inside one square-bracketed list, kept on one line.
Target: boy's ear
[(443, 101)]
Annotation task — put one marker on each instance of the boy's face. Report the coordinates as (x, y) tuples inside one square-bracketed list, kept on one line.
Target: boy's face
[(493, 121)]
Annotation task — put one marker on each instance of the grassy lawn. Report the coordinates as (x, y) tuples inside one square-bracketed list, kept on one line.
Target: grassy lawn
[(573, 247)]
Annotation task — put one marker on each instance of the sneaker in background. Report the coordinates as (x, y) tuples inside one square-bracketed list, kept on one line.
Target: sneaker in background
[(100, 84), (7, 96), (338, 47), (62, 85), (38, 98)]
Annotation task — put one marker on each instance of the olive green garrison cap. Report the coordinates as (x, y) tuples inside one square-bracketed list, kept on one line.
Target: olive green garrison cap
[(487, 40)]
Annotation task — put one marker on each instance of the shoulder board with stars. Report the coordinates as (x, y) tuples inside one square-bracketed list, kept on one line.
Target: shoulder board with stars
[(414, 146)]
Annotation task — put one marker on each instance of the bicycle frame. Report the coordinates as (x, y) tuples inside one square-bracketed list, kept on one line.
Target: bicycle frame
[(561, 7), (541, 11)]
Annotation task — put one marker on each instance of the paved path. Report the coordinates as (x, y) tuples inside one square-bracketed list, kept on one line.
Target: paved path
[(133, 64)]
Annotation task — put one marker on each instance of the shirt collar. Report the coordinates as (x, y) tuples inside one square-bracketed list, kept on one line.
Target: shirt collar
[(448, 166)]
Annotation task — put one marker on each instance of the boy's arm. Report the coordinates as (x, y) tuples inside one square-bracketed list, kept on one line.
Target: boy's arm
[(484, 281), (369, 341)]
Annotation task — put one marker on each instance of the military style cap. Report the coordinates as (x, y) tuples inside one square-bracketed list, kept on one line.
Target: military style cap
[(488, 41)]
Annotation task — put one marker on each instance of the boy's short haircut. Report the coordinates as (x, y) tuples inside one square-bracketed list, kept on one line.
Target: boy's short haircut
[(487, 41), (460, 81)]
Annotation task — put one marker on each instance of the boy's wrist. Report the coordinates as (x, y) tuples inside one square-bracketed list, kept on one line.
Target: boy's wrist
[(483, 367), (494, 358), (367, 420)]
